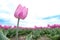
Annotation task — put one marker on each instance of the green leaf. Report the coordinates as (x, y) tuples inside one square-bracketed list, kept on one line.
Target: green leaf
[(29, 37), (2, 36)]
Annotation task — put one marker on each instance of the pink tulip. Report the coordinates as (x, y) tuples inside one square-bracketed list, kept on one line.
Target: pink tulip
[(1, 27), (36, 27), (21, 12), (6, 27)]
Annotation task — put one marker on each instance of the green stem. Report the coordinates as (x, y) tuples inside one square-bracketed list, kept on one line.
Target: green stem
[(17, 29)]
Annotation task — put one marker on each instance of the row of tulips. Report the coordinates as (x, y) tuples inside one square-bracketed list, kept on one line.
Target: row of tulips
[(6, 27), (51, 31)]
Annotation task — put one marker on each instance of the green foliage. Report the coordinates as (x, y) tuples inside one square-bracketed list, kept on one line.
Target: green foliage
[(55, 37), (5, 32), (11, 33), (36, 34), (29, 36), (24, 32), (2, 36), (54, 33)]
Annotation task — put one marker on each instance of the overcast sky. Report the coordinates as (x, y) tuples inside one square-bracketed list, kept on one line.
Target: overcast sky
[(40, 12)]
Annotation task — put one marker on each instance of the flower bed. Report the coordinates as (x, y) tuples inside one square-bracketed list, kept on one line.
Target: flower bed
[(51, 31)]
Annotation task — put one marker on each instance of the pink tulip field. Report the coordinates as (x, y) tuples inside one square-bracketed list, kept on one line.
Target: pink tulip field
[(49, 32)]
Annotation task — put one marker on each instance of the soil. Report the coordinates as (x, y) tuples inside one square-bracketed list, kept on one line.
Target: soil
[(23, 38), (44, 38), (20, 38)]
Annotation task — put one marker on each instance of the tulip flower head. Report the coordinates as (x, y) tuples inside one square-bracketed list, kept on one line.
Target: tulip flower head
[(21, 12)]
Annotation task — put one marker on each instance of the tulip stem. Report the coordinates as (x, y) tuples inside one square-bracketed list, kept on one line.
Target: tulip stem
[(17, 29)]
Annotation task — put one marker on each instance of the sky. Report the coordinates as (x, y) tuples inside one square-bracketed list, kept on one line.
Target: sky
[(40, 12)]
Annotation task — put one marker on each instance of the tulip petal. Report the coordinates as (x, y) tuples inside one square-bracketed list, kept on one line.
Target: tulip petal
[(25, 11)]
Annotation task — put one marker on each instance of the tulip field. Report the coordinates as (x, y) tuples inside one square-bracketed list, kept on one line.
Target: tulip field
[(51, 32)]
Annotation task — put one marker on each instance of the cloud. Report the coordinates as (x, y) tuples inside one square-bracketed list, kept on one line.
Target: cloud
[(50, 17), (3, 11)]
